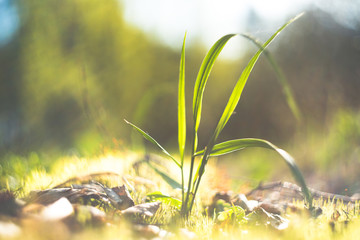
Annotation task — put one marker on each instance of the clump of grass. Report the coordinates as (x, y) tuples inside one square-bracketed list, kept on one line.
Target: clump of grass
[(190, 189), (29, 174)]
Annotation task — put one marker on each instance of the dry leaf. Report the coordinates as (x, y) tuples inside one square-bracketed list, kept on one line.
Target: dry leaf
[(124, 194), (50, 196), (272, 208), (244, 203), (118, 196), (145, 209), (274, 220)]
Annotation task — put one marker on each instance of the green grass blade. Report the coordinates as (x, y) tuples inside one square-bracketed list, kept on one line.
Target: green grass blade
[(150, 139), (169, 180), (200, 83), (239, 144), (158, 196), (234, 145), (239, 87), (232, 103), (290, 99), (236, 93), (181, 105), (202, 78)]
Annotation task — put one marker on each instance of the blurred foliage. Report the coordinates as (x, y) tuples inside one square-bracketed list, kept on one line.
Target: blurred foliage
[(76, 69), (334, 155), (15, 169), (320, 60), (343, 140), (329, 158)]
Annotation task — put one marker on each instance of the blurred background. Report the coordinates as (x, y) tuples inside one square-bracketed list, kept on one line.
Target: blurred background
[(71, 71)]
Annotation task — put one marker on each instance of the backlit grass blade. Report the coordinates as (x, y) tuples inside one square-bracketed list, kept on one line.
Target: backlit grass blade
[(239, 87), (165, 199), (169, 180), (202, 78), (232, 103), (199, 88), (236, 94), (234, 145), (239, 144), (181, 105), (150, 139), (290, 99)]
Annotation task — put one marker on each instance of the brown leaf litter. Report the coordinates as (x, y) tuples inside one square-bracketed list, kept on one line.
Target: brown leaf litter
[(268, 203), (70, 207)]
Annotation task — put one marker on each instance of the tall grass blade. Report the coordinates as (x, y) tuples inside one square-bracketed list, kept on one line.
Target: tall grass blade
[(290, 99), (150, 139), (199, 88), (202, 78), (181, 105), (239, 144), (169, 180), (232, 103), (236, 93), (239, 87)]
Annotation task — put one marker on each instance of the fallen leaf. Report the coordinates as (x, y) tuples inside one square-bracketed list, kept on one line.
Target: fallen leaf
[(118, 196), (50, 196), (145, 209), (124, 195), (261, 216), (76, 194), (271, 208), (244, 203)]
